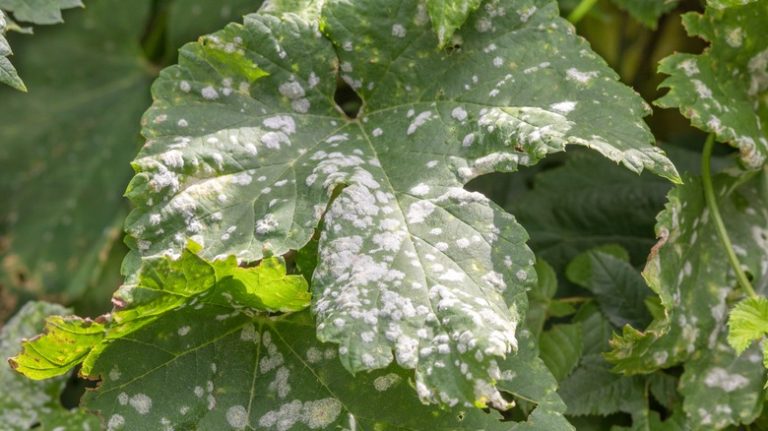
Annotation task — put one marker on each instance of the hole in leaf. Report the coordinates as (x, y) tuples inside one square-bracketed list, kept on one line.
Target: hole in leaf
[(74, 389), (347, 99)]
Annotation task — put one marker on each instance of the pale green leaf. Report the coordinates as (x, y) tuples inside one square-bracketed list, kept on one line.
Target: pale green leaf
[(411, 266), (25, 404), (722, 90), (540, 298), (162, 286), (449, 15), (747, 323)]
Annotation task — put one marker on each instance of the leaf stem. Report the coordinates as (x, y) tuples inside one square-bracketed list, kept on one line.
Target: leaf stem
[(722, 233), (577, 14)]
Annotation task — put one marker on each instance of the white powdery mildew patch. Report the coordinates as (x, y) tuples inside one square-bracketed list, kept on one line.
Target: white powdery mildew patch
[(237, 417), (720, 378), (419, 121), (384, 383), (317, 414), (141, 402), (579, 76)]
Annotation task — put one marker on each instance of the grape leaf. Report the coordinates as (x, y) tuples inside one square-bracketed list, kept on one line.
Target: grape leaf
[(747, 323), (25, 404), (618, 287), (161, 286), (8, 74), (246, 146), (689, 270), (194, 328), (61, 177), (722, 90)]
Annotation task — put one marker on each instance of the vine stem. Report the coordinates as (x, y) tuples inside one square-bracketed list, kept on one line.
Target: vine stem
[(722, 233), (577, 14)]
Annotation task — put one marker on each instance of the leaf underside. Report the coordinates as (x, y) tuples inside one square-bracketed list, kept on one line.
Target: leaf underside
[(246, 147)]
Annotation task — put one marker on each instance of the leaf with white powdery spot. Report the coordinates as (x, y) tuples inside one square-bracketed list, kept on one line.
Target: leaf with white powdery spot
[(722, 90), (409, 261)]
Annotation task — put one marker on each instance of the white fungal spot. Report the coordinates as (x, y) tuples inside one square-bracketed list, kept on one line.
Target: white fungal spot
[(398, 30), (579, 76), (184, 330), (420, 190), (116, 422), (209, 93), (459, 113), (720, 378), (141, 403), (418, 122), (563, 107), (383, 383), (237, 417)]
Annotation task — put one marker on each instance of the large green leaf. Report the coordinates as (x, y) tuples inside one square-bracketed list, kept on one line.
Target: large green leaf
[(65, 147), (690, 272), (722, 91), (26, 404), (190, 334), (408, 260)]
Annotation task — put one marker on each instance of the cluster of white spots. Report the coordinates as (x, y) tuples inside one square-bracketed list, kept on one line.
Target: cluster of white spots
[(273, 359), (184, 330), (280, 385), (579, 76), (419, 121), (313, 80), (419, 211), (526, 13), (459, 113), (266, 225), (237, 417), (384, 383), (536, 68), (209, 93), (720, 378), (398, 30), (141, 402), (564, 107), (317, 414), (689, 66), (295, 92), (249, 333)]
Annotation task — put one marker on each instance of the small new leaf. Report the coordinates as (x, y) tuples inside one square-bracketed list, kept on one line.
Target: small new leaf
[(160, 287), (747, 323)]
